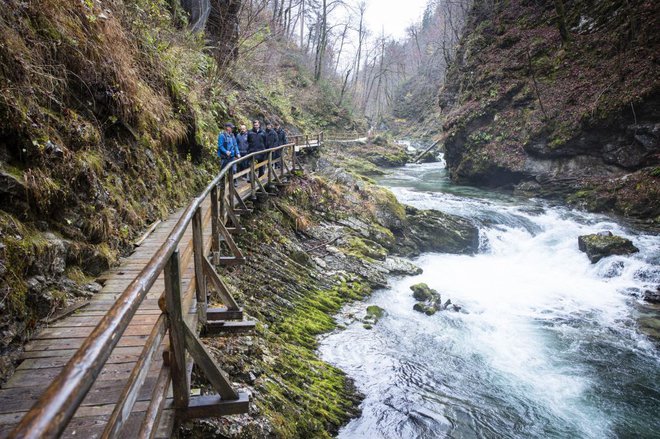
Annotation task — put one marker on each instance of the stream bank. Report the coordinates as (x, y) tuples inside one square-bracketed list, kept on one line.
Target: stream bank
[(328, 239)]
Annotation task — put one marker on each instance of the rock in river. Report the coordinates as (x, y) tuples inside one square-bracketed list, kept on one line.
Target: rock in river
[(600, 245)]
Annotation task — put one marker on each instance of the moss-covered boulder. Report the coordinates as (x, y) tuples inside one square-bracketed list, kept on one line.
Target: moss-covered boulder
[(435, 231), (422, 292), (600, 245), (429, 310), (374, 313)]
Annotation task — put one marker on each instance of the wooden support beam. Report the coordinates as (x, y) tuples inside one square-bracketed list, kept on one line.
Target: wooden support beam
[(152, 417), (198, 253), (210, 406), (221, 327), (220, 287), (215, 221), (204, 360), (242, 207), (229, 240), (129, 395), (253, 177), (233, 218), (224, 313), (180, 383)]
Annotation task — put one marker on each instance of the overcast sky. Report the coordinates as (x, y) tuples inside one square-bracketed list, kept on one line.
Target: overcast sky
[(393, 15)]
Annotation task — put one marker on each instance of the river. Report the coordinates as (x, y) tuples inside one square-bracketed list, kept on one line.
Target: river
[(549, 345)]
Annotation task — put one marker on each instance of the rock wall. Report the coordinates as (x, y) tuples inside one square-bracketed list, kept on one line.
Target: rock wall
[(577, 119)]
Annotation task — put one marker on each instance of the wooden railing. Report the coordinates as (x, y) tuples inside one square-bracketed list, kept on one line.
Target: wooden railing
[(345, 136), (57, 405)]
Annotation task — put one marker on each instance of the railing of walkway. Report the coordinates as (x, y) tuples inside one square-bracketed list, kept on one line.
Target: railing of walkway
[(330, 137), (56, 407)]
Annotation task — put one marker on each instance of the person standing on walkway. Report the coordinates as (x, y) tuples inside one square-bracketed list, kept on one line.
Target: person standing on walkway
[(271, 136), (242, 142), (257, 142), (227, 148), (281, 139)]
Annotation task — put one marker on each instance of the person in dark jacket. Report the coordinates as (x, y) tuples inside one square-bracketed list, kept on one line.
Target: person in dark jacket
[(227, 148), (242, 142), (257, 142), (281, 134), (281, 139), (271, 136)]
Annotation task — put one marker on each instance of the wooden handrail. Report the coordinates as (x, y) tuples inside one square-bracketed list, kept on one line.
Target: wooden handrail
[(51, 414)]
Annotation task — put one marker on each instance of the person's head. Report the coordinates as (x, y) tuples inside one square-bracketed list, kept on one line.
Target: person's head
[(277, 125), (243, 128), (229, 127), (255, 124), (269, 126)]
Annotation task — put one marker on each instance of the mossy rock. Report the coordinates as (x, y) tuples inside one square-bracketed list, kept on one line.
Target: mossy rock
[(365, 248), (422, 292), (375, 312), (601, 245), (429, 310)]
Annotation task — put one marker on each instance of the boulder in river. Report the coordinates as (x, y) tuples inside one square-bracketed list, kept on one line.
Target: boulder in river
[(423, 293), (652, 296), (435, 231), (600, 245), (430, 301)]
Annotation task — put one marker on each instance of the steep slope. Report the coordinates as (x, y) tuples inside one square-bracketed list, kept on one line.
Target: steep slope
[(109, 114), (575, 118)]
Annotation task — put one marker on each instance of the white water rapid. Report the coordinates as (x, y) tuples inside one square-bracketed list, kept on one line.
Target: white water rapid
[(549, 345)]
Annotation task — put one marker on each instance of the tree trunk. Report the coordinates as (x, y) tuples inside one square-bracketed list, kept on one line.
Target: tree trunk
[(561, 21)]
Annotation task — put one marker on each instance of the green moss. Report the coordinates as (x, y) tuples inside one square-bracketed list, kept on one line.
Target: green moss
[(22, 245), (364, 248), (385, 199), (76, 274), (313, 315), (375, 312)]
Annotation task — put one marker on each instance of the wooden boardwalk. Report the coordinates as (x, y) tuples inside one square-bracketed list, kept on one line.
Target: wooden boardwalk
[(151, 407)]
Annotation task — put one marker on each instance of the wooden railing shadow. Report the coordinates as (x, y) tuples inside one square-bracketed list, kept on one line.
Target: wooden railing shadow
[(51, 414)]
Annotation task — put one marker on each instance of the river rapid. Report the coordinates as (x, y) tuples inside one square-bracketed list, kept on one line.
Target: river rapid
[(548, 346)]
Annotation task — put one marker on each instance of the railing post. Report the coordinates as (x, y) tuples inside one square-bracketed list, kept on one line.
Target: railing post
[(222, 209), (229, 191), (215, 222), (177, 357), (293, 159), (270, 165), (281, 160), (198, 253), (253, 184)]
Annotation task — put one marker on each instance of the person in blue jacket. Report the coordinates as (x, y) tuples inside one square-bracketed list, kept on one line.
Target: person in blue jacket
[(227, 147)]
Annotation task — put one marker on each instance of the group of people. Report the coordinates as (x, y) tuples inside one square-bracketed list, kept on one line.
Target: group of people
[(232, 146)]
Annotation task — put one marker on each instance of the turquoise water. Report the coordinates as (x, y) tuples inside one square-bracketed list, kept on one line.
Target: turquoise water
[(548, 346)]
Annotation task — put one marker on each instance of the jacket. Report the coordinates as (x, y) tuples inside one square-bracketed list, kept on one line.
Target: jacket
[(242, 141), (271, 139), (256, 140), (281, 137), (227, 142)]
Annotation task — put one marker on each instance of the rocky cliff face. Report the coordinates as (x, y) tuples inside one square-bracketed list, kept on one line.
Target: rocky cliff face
[(575, 118)]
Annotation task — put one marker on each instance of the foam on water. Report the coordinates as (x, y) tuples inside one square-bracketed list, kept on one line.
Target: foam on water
[(544, 334)]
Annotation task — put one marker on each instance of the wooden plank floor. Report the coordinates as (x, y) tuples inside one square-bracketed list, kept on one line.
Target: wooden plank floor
[(49, 350)]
